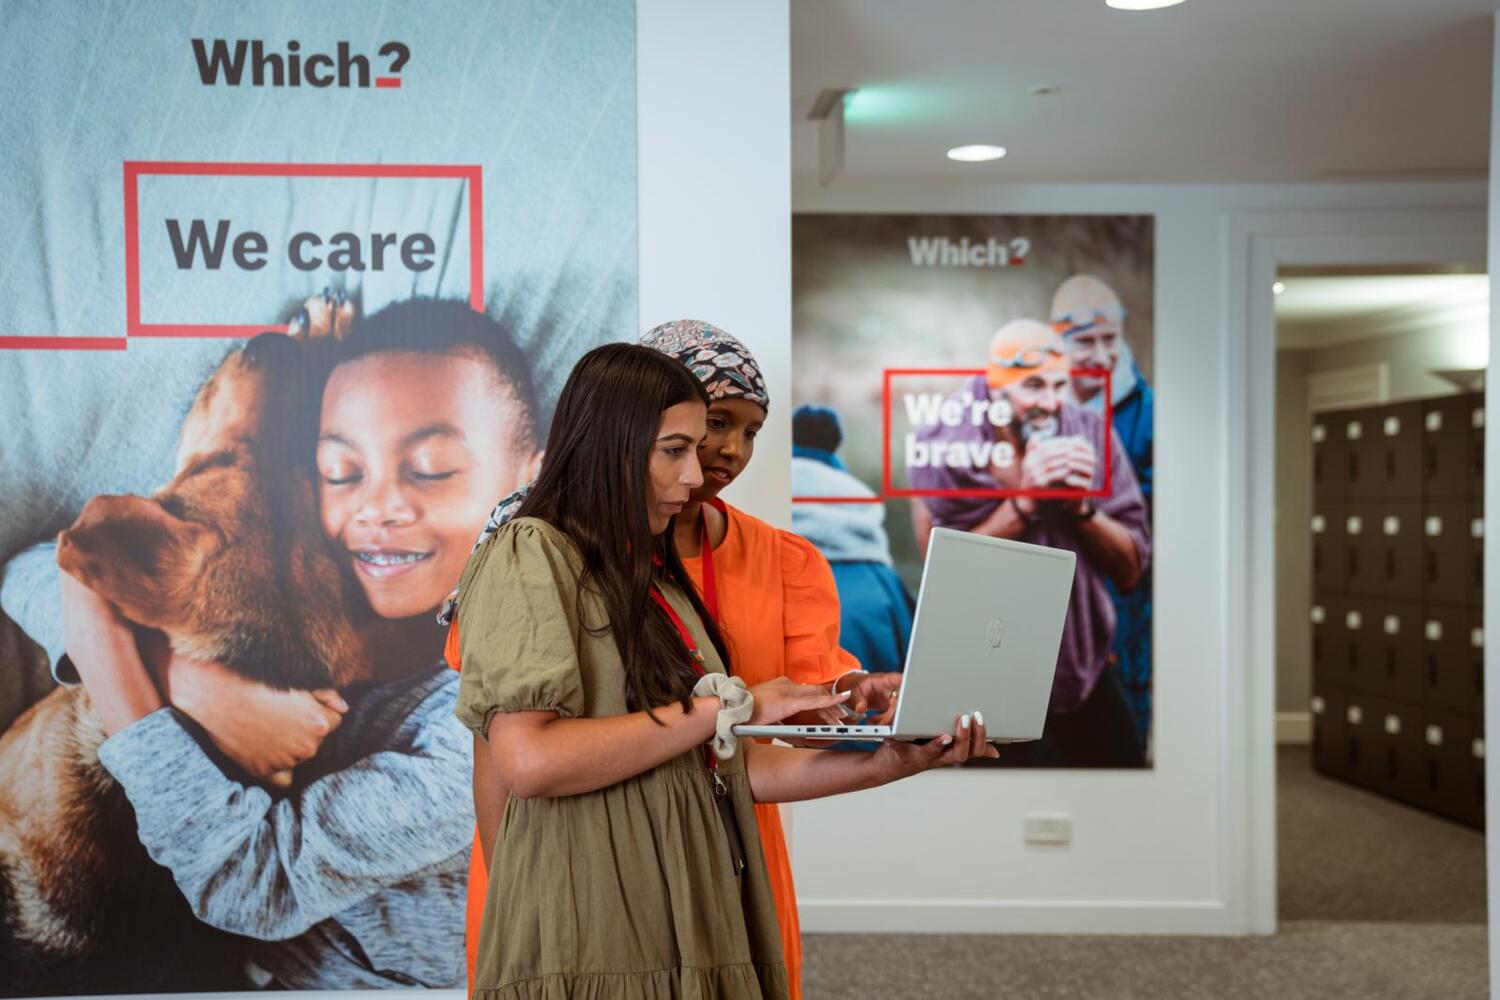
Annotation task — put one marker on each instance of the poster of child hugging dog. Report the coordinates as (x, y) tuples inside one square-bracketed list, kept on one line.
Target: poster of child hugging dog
[(286, 293)]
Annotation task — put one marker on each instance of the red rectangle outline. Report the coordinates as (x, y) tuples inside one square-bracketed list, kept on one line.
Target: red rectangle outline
[(136, 168), (887, 492)]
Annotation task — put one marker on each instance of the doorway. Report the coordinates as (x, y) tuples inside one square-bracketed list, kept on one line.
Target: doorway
[(1379, 753)]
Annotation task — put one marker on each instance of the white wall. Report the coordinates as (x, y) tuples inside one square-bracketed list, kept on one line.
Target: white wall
[(1167, 850), (715, 195), (1411, 357)]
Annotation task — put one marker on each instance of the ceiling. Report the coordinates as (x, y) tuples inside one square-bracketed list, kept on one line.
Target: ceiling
[(1209, 91), (1324, 310)]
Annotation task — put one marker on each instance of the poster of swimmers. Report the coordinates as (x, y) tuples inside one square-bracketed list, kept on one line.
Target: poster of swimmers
[(990, 373), (286, 294)]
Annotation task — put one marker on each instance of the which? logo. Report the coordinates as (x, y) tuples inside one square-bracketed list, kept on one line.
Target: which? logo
[(248, 62)]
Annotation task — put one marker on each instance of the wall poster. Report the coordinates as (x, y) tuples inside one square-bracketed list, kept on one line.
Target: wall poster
[(286, 294), (990, 373)]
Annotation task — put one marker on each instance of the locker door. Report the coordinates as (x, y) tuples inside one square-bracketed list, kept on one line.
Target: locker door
[(1447, 447), (1448, 658), (1330, 654), (1323, 461), (1444, 770), (1330, 457), (1362, 762), (1476, 445), (1329, 571), (1328, 749), (1475, 671), (1476, 776), (1475, 595), (1362, 439), (1454, 751), (1398, 470), (1399, 551), (1398, 764), (1398, 652), (1364, 570), (1361, 648), (1449, 550)]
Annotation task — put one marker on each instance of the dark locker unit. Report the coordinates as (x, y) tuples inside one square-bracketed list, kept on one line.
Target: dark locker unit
[(1397, 539)]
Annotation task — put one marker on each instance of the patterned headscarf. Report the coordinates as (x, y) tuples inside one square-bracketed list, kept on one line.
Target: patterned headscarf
[(726, 368)]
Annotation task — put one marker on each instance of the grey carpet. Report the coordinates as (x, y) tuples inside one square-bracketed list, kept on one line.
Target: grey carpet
[(1377, 900), (1346, 854)]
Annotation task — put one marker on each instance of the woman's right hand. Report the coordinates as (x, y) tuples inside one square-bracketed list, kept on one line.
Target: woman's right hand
[(782, 698), (266, 731)]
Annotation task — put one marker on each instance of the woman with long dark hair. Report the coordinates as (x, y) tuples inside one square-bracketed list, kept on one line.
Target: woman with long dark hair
[(632, 863)]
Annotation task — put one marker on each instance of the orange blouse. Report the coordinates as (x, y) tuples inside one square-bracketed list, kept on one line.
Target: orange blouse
[(779, 612)]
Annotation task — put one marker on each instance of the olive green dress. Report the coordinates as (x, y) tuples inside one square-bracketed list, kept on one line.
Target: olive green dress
[(626, 892)]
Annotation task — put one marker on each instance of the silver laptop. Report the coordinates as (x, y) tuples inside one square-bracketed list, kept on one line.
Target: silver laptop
[(988, 626)]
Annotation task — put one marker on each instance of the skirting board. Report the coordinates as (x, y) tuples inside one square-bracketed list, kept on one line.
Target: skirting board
[(994, 916), (1294, 728)]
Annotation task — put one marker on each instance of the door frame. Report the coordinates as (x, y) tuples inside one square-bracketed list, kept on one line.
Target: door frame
[(1259, 244)]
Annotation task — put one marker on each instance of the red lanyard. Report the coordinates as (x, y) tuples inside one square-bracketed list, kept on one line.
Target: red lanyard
[(738, 859), (695, 655), (711, 602), (710, 582)]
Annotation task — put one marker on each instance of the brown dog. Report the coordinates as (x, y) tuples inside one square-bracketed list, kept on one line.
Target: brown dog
[(229, 562)]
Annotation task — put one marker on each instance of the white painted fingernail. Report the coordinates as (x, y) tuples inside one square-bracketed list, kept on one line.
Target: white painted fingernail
[(979, 717), (946, 739), (964, 721)]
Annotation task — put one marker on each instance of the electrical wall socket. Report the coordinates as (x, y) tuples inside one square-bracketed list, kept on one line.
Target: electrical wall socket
[(1049, 828)]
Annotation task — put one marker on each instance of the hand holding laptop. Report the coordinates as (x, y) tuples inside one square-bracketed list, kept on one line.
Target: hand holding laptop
[(968, 741)]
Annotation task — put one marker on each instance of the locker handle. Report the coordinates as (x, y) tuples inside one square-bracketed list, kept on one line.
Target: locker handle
[(1390, 663), (1353, 467), (1430, 462), (1390, 464), (1353, 562), (1390, 564), (1432, 672), (1479, 569), (1431, 561), (1477, 466), (1317, 467)]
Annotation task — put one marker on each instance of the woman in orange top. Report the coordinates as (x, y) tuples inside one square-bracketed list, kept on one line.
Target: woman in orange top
[(771, 591)]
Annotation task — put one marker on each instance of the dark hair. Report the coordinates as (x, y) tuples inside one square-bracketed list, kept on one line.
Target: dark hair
[(817, 427), (445, 326), (592, 487)]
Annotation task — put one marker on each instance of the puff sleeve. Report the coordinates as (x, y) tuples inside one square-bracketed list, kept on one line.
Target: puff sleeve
[(519, 626), (810, 614)]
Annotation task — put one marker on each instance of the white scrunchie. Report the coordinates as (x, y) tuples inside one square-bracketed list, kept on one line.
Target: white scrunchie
[(737, 702)]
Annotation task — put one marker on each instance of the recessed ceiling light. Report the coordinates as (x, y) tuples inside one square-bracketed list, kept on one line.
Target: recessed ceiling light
[(1278, 287), (1141, 4), (975, 154)]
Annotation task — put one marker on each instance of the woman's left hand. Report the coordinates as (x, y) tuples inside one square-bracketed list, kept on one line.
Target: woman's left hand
[(967, 742), (867, 692), (873, 693)]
